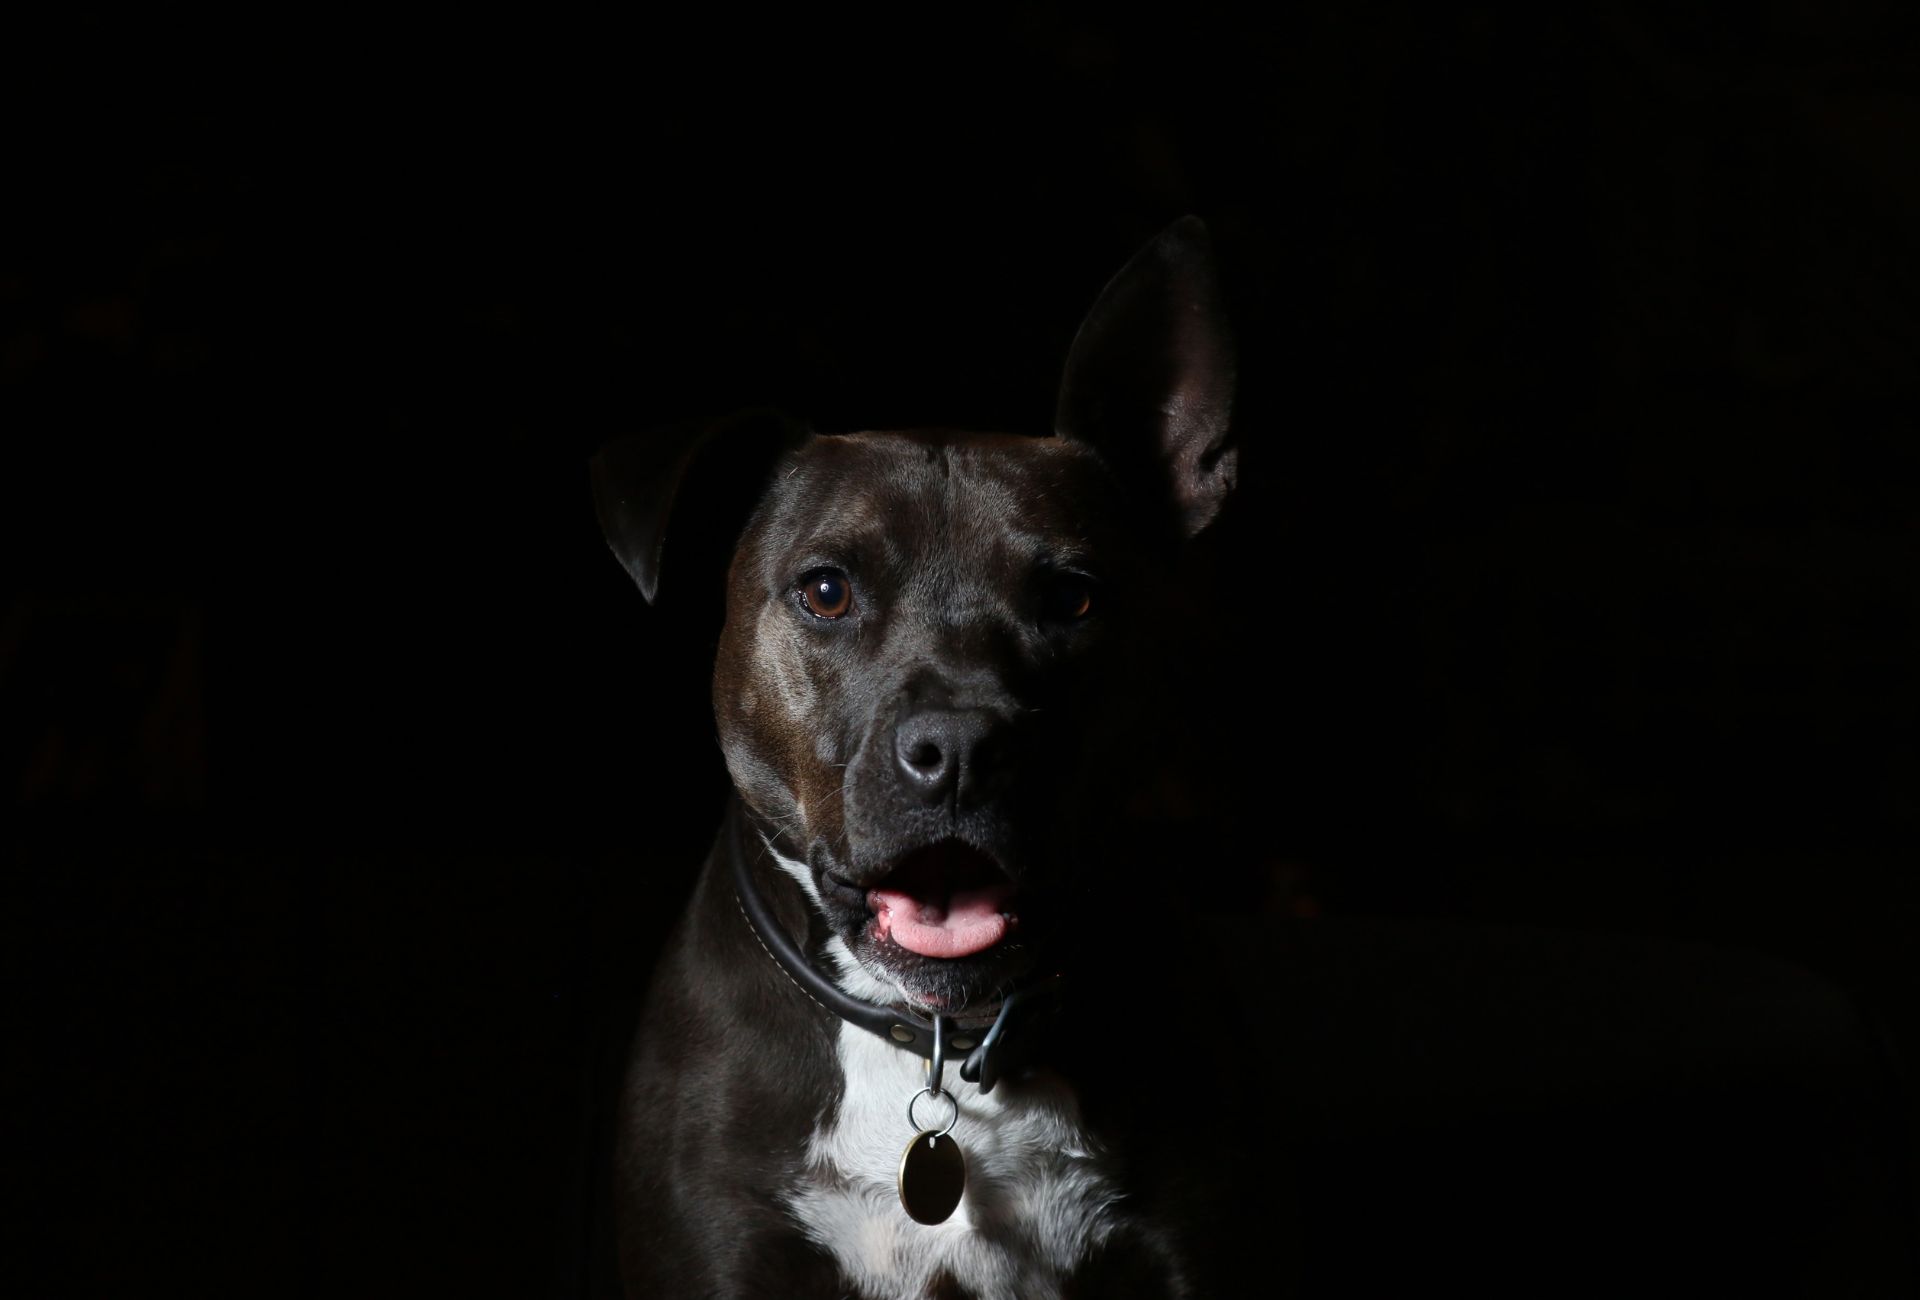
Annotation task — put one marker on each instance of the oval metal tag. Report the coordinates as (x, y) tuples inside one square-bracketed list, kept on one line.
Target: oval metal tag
[(933, 1177)]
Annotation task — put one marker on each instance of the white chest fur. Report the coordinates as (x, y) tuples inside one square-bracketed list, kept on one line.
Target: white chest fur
[(1038, 1199)]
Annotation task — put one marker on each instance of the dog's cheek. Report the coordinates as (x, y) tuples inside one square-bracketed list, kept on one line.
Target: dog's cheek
[(751, 758), (809, 697), (756, 781), (771, 706), (748, 719), (784, 681)]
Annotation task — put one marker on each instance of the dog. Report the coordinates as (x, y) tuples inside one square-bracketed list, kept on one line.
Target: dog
[(923, 1029)]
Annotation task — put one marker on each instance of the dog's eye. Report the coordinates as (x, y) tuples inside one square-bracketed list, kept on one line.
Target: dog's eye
[(826, 593), (1069, 598)]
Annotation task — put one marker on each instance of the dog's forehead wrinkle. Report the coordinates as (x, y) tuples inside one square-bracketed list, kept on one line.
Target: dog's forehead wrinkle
[(939, 511)]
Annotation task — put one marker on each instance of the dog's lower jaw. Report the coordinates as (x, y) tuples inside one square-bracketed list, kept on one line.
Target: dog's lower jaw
[(859, 980), (960, 987), (853, 976)]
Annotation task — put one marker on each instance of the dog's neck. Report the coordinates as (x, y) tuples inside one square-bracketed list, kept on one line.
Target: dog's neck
[(994, 1042)]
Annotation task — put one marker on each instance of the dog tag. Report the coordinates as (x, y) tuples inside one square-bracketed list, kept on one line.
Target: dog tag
[(933, 1175)]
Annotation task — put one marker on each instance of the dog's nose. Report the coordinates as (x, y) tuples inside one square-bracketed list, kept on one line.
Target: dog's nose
[(949, 754)]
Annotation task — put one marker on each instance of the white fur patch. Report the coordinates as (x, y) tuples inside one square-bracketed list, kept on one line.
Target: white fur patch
[(800, 871), (1039, 1199)]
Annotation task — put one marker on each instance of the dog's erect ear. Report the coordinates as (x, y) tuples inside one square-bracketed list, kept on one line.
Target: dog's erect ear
[(703, 476), (1149, 380)]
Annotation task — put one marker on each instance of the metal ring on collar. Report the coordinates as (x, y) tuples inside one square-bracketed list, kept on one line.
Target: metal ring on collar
[(951, 1119)]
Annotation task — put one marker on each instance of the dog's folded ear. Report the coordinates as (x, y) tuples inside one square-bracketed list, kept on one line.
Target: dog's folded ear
[(1149, 380), (703, 477)]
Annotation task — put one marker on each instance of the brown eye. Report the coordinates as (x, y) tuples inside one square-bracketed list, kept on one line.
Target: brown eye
[(1069, 598), (826, 593)]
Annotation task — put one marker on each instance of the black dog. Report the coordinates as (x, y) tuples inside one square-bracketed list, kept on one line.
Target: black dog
[(929, 692)]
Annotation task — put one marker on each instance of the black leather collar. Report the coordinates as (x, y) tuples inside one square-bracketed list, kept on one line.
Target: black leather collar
[(1006, 1045)]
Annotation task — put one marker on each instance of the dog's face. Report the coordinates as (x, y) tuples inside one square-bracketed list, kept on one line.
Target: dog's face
[(921, 681), (919, 629)]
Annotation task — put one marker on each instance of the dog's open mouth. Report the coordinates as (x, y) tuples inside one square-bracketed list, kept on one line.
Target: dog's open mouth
[(945, 900)]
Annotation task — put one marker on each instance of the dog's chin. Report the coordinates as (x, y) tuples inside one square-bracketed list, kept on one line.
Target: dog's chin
[(950, 986)]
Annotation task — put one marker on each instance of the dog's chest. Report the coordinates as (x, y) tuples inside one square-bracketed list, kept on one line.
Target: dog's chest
[(1039, 1199)]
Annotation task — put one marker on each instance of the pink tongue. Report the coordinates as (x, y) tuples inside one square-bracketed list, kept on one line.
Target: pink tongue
[(966, 922)]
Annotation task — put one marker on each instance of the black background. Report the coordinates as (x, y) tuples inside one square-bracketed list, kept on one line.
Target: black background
[(1572, 581)]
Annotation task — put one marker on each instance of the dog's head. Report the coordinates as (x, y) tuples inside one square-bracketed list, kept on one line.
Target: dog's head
[(924, 685)]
